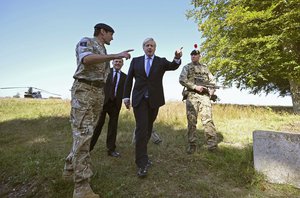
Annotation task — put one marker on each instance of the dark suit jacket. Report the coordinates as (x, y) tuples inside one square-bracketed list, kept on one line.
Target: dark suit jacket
[(153, 82), (120, 89)]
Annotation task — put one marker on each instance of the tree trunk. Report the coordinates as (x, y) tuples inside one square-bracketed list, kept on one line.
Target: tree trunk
[(295, 90)]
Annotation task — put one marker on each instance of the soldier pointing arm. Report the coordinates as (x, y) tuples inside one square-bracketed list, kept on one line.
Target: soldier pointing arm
[(87, 99)]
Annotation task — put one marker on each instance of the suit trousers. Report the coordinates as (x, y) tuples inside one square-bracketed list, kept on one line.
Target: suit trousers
[(144, 117), (113, 111)]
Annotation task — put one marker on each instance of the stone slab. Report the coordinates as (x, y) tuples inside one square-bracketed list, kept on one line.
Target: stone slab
[(277, 156)]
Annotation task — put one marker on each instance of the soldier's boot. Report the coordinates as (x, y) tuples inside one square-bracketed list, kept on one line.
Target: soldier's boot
[(211, 137), (212, 145), (84, 190), (191, 149), (67, 175)]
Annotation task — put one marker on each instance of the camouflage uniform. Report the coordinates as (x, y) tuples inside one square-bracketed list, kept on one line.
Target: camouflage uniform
[(198, 103), (87, 100)]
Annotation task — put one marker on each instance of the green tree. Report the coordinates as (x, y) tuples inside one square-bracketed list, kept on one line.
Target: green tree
[(252, 44)]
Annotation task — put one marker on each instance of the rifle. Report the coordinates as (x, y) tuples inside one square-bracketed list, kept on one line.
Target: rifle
[(209, 85), (206, 86)]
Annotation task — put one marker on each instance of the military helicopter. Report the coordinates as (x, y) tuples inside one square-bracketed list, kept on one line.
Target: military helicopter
[(33, 92)]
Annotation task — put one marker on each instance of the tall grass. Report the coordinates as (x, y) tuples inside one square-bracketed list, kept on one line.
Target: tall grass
[(35, 137)]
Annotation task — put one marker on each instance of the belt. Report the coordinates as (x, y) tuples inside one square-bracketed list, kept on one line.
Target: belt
[(204, 92), (91, 83)]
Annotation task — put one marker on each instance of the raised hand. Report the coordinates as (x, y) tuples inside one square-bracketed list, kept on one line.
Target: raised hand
[(178, 53)]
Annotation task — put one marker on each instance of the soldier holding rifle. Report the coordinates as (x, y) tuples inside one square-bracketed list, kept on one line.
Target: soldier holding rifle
[(200, 86)]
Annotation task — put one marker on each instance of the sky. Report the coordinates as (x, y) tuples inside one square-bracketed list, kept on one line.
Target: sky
[(38, 40)]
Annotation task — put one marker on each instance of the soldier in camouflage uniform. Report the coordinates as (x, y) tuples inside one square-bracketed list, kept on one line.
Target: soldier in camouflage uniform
[(86, 103), (198, 101)]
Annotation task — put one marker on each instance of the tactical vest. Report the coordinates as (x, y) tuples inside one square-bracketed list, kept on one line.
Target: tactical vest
[(198, 73)]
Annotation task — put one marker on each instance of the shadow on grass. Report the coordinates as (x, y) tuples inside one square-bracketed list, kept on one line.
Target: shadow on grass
[(32, 157)]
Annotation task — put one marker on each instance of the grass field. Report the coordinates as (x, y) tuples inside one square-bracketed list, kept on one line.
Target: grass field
[(35, 137)]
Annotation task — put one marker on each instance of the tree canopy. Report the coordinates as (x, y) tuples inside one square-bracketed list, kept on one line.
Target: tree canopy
[(253, 44)]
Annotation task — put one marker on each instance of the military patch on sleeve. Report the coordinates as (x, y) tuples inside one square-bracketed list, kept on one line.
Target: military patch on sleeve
[(83, 44)]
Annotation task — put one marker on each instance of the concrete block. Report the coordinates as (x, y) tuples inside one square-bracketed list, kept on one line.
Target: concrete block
[(277, 156)]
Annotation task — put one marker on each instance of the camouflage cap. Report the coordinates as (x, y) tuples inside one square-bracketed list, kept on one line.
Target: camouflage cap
[(104, 26)]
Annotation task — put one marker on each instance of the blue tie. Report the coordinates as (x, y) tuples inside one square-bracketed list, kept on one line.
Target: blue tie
[(148, 66)]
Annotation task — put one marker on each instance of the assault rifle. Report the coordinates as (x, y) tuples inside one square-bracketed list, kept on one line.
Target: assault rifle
[(206, 86), (209, 86)]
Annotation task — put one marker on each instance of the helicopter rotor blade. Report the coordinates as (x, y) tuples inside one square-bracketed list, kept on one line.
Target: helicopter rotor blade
[(32, 88), (13, 87)]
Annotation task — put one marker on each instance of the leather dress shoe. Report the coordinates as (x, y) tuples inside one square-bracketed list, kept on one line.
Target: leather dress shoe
[(142, 172), (113, 153)]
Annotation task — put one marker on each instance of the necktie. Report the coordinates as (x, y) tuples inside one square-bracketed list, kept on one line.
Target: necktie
[(148, 66), (114, 84)]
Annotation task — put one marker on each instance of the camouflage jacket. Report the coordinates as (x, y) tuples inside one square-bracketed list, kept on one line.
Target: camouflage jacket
[(95, 72), (191, 74)]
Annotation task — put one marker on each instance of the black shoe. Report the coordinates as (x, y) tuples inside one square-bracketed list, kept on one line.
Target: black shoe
[(142, 172), (113, 153), (149, 164)]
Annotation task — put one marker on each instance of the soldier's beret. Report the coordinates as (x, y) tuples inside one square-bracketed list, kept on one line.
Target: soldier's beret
[(105, 27), (195, 52)]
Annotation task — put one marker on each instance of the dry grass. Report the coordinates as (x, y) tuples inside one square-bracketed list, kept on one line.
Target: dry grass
[(35, 137)]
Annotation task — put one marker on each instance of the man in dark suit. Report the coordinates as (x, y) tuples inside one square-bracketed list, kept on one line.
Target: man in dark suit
[(113, 90), (147, 96)]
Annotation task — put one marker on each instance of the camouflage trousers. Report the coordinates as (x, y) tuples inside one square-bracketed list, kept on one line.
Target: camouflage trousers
[(201, 104), (86, 105)]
